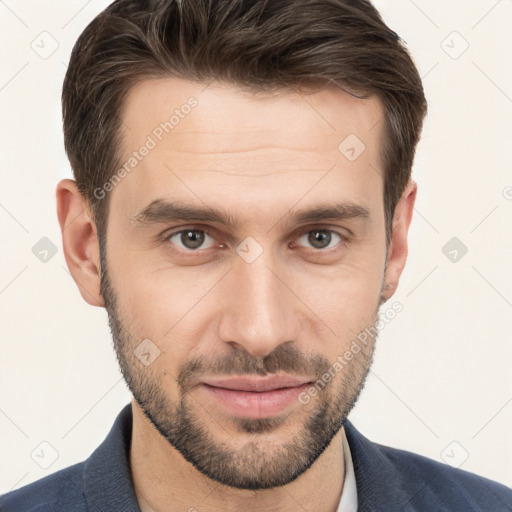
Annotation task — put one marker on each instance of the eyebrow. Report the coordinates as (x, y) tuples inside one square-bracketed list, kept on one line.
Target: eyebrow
[(162, 211)]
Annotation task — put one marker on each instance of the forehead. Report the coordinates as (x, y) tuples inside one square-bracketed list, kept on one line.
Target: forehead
[(284, 118), (219, 143)]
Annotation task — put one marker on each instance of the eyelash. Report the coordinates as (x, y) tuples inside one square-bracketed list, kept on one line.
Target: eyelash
[(341, 244)]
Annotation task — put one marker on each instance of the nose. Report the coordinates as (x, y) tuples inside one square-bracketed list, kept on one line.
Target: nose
[(260, 311)]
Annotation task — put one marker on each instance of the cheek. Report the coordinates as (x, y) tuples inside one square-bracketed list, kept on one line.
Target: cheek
[(165, 305), (347, 303), (346, 293)]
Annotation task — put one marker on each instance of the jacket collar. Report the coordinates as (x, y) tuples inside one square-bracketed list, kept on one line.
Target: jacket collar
[(108, 482), (381, 485)]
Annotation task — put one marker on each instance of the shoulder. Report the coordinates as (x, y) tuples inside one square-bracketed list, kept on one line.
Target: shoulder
[(102, 481), (393, 479), (61, 491), (447, 486)]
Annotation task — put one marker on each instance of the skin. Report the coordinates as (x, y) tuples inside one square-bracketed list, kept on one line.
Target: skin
[(291, 311)]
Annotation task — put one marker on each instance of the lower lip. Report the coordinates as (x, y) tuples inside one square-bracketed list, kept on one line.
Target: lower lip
[(252, 404)]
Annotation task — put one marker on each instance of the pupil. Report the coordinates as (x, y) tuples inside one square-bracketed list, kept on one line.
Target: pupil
[(192, 239), (322, 240)]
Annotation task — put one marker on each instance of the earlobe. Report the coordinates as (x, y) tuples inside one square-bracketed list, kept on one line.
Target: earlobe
[(80, 241), (398, 247)]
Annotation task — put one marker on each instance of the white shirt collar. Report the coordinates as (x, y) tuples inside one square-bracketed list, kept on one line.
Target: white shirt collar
[(348, 501)]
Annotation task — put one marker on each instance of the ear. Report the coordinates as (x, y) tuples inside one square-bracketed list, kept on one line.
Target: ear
[(80, 241), (398, 248)]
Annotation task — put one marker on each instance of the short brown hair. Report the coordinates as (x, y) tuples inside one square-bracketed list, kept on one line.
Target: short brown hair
[(261, 45)]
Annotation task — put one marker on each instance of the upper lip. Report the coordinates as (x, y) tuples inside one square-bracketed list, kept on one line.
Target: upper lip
[(257, 384)]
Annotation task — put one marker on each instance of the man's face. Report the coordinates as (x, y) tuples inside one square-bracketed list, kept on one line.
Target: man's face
[(268, 294)]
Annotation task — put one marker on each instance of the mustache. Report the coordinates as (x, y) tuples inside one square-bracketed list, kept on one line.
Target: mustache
[(284, 359)]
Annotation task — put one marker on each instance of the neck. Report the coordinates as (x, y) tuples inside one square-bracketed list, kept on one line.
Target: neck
[(165, 482)]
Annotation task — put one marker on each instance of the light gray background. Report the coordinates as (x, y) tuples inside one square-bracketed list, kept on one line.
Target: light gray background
[(441, 384)]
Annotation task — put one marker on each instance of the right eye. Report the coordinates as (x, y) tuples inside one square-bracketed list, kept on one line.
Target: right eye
[(189, 240)]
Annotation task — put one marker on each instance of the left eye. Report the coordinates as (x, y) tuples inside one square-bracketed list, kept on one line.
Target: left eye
[(321, 238)]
